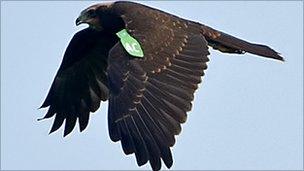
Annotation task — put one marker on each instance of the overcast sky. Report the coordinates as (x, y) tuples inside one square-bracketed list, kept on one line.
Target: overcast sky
[(247, 113)]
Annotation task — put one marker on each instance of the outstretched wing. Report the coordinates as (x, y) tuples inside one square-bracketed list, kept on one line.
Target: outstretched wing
[(149, 97), (81, 82)]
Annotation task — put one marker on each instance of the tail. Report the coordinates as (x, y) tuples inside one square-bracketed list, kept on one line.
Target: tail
[(229, 44)]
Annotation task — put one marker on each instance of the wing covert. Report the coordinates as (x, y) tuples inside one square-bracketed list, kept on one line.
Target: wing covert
[(150, 97)]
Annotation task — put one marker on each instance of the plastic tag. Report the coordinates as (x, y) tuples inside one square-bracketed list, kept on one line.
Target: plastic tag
[(130, 44)]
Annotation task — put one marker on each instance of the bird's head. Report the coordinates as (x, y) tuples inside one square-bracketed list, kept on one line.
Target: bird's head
[(101, 17)]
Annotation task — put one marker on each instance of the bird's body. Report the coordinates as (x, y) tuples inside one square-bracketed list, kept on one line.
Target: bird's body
[(148, 97)]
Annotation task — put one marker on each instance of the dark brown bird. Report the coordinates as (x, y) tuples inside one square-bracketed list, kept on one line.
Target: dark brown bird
[(148, 97)]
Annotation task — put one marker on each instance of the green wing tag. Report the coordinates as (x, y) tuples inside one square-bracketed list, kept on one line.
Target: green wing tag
[(130, 44)]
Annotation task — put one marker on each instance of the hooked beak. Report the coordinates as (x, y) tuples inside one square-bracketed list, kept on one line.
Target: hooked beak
[(85, 19), (79, 21)]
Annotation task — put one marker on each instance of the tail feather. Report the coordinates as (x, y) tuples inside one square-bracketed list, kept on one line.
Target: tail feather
[(229, 44)]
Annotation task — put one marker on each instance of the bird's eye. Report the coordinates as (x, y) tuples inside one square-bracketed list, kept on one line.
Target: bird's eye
[(91, 13)]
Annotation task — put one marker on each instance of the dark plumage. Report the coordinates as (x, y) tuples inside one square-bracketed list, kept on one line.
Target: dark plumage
[(148, 97)]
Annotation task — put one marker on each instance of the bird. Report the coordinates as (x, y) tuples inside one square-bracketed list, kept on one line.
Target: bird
[(150, 90)]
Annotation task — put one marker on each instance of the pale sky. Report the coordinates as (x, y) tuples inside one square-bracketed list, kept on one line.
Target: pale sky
[(247, 113)]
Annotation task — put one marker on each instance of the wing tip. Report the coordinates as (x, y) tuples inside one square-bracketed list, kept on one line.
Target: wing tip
[(66, 133), (52, 130), (82, 127), (41, 119), (277, 57), (44, 105)]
